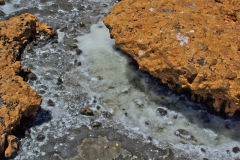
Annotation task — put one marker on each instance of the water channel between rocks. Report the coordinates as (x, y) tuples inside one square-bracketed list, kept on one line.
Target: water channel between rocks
[(130, 102), (143, 106)]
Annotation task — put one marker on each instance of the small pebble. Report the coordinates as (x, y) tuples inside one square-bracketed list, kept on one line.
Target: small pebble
[(162, 111), (98, 107), (51, 103), (78, 51), (59, 81), (236, 149), (96, 124), (87, 112), (40, 137), (203, 150)]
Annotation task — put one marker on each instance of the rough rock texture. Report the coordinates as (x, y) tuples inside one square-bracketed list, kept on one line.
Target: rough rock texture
[(17, 99), (193, 46), (100, 149)]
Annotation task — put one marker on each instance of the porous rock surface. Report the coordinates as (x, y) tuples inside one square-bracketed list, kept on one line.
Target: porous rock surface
[(17, 99), (193, 46)]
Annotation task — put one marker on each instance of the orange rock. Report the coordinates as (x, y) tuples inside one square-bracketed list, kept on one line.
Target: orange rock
[(89, 112), (83, 111), (17, 99), (12, 146), (2, 142), (192, 46)]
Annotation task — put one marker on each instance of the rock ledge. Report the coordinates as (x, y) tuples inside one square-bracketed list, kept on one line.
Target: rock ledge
[(192, 46), (17, 99)]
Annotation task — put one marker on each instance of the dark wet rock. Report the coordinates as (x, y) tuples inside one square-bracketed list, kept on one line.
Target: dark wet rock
[(184, 134), (78, 63), (162, 112), (40, 137), (203, 150), (81, 24), (149, 138), (59, 81), (98, 107), (236, 149), (28, 75), (87, 112), (78, 51), (83, 111), (175, 116), (147, 123), (96, 124), (51, 103), (31, 76)]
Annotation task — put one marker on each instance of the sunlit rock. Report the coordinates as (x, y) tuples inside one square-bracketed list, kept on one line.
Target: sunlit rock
[(192, 47), (17, 99)]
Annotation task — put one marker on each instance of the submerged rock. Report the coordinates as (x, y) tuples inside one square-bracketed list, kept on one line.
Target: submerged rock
[(184, 134), (192, 47), (18, 99), (101, 148)]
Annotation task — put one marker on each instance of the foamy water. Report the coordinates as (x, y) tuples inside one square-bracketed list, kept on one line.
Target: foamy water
[(107, 78)]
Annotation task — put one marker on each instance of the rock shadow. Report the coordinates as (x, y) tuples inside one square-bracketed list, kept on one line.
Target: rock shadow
[(200, 114)]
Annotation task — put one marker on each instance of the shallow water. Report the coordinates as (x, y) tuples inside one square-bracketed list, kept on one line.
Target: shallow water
[(123, 89), (102, 78)]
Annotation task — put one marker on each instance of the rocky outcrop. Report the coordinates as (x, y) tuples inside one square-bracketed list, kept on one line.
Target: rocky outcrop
[(192, 46), (17, 99)]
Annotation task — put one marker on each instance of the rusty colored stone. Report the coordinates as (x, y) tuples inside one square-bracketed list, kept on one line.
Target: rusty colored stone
[(191, 46), (2, 142), (89, 112), (12, 146), (17, 99)]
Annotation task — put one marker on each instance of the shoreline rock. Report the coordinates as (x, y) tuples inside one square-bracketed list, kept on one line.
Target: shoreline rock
[(19, 101), (192, 47)]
